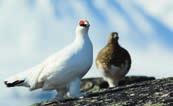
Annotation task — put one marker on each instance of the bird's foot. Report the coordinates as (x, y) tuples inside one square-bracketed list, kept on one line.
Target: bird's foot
[(58, 98), (49, 102), (77, 96), (83, 95)]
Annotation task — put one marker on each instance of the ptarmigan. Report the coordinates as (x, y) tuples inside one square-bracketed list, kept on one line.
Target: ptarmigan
[(113, 61), (63, 70)]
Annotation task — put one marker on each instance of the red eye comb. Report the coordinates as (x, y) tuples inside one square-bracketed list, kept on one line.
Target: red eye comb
[(82, 22)]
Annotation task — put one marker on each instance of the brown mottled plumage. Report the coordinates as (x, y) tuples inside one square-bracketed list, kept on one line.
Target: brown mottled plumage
[(113, 60)]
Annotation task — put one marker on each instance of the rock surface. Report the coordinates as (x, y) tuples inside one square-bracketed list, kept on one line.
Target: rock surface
[(132, 91)]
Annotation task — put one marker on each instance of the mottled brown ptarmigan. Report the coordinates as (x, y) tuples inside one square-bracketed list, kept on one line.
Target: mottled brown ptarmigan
[(113, 61)]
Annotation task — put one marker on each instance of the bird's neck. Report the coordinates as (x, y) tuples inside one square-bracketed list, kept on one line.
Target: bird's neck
[(114, 44), (81, 37)]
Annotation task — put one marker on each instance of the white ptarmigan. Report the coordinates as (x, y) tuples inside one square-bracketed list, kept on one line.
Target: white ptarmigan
[(63, 70), (113, 60)]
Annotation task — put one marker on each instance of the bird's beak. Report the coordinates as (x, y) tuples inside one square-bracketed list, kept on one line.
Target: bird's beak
[(12, 84), (84, 23)]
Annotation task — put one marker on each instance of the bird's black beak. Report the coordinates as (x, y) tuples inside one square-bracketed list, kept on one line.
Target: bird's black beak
[(84, 23), (15, 83), (115, 35)]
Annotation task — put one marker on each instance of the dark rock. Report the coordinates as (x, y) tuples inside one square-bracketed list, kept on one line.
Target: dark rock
[(91, 84), (132, 91)]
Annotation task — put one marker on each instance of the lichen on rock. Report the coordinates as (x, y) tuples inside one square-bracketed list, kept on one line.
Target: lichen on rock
[(132, 91)]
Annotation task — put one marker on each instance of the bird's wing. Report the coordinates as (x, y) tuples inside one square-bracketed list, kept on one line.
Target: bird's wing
[(55, 62), (32, 76), (59, 63), (104, 56), (127, 58), (122, 59)]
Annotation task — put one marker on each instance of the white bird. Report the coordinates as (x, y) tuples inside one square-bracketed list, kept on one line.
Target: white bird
[(63, 70)]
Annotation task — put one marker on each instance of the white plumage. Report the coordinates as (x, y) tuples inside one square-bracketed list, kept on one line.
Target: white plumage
[(63, 70)]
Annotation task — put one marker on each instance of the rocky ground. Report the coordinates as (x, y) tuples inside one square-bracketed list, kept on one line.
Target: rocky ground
[(132, 91)]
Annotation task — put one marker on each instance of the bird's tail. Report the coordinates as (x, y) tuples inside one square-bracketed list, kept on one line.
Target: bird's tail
[(16, 80)]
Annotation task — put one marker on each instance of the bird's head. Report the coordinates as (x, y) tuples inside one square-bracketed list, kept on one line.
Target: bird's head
[(113, 38), (83, 26)]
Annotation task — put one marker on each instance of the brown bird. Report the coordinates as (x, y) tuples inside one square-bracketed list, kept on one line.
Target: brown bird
[(113, 61)]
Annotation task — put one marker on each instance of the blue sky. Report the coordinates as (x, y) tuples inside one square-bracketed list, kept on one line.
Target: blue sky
[(31, 30)]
